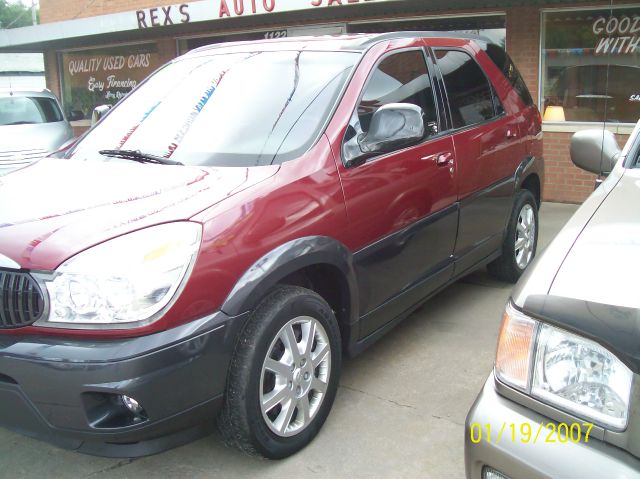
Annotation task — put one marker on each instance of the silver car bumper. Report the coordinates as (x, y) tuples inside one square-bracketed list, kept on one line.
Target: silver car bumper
[(517, 459)]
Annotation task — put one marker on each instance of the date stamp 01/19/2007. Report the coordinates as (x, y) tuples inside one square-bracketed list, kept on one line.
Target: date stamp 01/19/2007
[(528, 433)]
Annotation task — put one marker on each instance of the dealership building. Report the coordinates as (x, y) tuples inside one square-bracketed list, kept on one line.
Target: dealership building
[(579, 59)]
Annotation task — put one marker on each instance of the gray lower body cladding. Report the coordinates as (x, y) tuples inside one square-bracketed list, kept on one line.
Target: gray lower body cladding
[(68, 392)]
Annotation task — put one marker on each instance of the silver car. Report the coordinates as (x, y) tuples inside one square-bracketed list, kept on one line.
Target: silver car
[(32, 126), (563, 400)]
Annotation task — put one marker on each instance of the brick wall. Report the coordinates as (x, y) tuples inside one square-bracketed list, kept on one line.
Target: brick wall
[(523, 43), (51, 72), (58, 10), (564, 182)]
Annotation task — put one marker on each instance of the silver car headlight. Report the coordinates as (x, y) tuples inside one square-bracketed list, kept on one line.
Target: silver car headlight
[(564, 370), (123, 282)]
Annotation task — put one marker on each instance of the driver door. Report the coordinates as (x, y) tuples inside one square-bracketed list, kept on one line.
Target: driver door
[(401, 205)]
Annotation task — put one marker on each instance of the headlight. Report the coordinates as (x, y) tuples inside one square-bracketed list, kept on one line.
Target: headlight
[(123, 282), (563, 370)]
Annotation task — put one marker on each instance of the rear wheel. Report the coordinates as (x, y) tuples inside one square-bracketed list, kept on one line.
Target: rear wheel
[(284, 374), (521, 240)]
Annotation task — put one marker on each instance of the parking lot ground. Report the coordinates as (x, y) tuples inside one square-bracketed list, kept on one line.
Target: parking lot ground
[(399, 412)]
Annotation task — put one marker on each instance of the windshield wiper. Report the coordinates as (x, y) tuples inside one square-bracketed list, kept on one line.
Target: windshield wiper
[(137, 155)]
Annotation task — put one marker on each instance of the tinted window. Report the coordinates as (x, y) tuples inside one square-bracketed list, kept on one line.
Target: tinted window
[(239, 109), (504, 63), (20, 110), (399, 78), (468, 90)]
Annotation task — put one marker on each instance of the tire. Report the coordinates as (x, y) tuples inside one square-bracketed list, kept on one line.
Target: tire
[(522, 229), (282, 427)]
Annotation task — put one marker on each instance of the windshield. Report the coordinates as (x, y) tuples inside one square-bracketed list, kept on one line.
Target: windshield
[(21, 110), (240, 109)]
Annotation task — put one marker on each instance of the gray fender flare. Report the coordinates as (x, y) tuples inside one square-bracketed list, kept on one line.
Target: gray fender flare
[(287, 258)]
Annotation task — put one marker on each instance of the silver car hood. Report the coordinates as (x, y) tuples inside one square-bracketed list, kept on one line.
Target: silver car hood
[(603, 264), (39, 136), (594, 255)]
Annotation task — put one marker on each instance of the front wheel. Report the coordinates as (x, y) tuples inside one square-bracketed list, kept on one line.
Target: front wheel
[(284, 374), (521, 239)]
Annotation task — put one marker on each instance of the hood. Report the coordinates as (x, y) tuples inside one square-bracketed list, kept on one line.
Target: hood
[(54, 209), (45, 137), (603, 263)]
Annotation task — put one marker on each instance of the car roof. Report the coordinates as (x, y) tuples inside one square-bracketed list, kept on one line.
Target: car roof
[(19, 92), (355, 42)]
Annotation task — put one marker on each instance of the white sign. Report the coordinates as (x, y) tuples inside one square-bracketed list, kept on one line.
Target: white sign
[(219, 9), (175, 14)]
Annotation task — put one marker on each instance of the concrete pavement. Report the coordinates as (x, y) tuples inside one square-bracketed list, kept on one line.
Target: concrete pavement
[(399, 412)]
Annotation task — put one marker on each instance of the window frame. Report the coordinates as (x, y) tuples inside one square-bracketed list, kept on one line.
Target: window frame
[(573, 126), (494, 94), (430, 73)]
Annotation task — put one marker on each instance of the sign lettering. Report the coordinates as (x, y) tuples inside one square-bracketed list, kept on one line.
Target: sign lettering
[(217, 9), (617, 35), (162, 16)]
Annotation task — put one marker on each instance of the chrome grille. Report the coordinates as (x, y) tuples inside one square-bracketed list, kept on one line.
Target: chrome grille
[(21, 300), (20, 157)]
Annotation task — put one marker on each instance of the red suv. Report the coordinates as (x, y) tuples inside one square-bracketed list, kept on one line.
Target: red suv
[(244, 218)]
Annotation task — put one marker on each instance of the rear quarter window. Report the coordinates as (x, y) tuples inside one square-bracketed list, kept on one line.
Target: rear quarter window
[(471, 99), (504, 63)]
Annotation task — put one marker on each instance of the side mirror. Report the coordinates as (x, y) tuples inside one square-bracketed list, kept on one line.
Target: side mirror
[(393, 126), (595, 151), (98, 113), (76, 115)]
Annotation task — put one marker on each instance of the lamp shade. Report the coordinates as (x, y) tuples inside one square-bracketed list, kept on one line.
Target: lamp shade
[(553, 113)]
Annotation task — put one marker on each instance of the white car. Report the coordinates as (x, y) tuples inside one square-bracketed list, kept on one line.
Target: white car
[(32, 126)]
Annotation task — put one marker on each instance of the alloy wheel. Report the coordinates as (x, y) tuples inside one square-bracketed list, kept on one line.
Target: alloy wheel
[(525, 236), (295, 376)]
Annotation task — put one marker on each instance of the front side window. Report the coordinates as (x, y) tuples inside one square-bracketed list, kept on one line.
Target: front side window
[(591, 64), (468, 90), (399, 78), (22, 110), (237, 109)]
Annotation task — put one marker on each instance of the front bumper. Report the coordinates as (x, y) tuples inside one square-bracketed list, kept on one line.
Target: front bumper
[(535, 459), (61, 390)]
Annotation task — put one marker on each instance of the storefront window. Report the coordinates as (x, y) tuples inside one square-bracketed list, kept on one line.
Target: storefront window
[(103, 76), (591, 65)]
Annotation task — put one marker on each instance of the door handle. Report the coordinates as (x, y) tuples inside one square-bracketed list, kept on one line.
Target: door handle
[(441, 159), (444, 159), (511, 133)]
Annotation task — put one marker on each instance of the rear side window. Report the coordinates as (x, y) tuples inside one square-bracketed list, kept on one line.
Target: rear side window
[(504, 63), (468, 90), (399, 78), (22, 110)]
